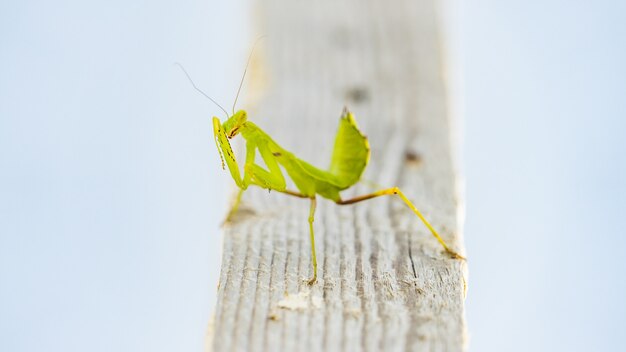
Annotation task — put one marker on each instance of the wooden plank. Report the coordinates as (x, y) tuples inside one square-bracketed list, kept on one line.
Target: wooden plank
[(384, 281)]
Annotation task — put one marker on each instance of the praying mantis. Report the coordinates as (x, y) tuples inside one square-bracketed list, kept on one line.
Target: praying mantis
[(349, 158)]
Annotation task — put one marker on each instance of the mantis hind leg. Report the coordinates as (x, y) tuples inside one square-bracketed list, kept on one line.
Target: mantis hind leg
[(396, 190)]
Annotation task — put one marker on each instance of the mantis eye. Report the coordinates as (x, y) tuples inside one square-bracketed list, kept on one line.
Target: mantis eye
[(233, 132)]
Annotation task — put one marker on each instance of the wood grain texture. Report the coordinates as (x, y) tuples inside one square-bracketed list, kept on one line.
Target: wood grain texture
[(384, 281)]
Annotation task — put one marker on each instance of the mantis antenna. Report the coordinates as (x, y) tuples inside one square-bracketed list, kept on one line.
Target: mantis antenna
[(199, 90), (246, 70)]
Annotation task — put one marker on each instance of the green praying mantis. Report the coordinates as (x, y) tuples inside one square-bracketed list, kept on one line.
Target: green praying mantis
[(350, 156)]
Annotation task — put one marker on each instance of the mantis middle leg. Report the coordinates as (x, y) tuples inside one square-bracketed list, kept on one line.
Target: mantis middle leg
[(313, 279), (275, 180), (397, 191), (234, 207), (312, 234)]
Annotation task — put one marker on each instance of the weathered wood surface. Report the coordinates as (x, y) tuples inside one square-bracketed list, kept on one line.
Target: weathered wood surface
[(384, 281)]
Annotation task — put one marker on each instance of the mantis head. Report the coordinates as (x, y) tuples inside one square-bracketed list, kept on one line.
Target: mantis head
[(234, 123)]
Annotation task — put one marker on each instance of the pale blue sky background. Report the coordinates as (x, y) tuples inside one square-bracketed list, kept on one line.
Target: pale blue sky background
[(111, 192), (545, 161), (111, 188)]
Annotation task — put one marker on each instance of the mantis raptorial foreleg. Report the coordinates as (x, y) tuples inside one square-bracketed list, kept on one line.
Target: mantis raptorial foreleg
[(255, 174), (396, 190), (247, 180)]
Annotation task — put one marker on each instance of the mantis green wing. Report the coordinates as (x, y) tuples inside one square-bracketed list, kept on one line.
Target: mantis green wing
[(351, 153)]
